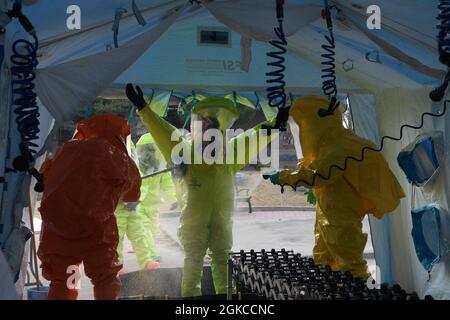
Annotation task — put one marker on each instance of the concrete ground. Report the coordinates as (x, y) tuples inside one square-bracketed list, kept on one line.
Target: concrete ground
[(292, 230)]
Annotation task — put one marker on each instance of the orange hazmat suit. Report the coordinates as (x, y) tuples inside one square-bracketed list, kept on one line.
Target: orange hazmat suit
[(84, 183)]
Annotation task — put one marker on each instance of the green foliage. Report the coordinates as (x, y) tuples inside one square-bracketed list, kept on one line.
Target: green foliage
[(311, 198)]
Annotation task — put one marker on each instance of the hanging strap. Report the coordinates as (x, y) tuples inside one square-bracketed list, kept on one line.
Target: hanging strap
[(138, 14), (119, 13), (327, 14)]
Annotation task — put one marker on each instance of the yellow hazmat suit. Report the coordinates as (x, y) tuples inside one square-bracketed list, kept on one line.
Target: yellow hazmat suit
[(153, 190), (343, 200), (206, 219), (131, 223)]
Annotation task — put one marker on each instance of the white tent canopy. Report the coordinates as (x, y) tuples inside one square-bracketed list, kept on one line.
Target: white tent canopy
[(388, 74), (407, 57)]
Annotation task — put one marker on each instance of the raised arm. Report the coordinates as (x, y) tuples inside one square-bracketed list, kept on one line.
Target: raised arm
[(160, 129), (250, 152), (310, 175)]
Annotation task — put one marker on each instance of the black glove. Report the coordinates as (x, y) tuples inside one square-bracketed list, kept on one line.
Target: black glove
[(282, 119), (136, 96), (280, 123)]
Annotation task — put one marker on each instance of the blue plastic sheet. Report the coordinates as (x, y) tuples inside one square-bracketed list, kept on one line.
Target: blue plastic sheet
[(419, 161), (426, 235)]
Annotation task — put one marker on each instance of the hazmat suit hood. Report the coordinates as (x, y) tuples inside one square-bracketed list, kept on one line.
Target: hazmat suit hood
[(326, 143), (213, 113), (314, 128), (110, 127), (150, 158), (220, 111)]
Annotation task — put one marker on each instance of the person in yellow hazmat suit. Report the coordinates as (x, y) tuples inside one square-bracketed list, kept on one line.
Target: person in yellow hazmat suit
[(206, 218), (366, 187), (153, 190), (131, 222)]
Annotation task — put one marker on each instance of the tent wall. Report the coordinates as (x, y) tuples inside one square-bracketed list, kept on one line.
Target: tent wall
[(364, 114), (14, 193), (7, 290), (394, 108), (66, 88)]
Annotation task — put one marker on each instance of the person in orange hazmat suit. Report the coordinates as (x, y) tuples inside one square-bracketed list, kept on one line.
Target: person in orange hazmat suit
[(84, 183)]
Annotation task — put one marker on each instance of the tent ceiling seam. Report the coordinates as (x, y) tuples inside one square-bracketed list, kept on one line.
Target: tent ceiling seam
[(233, 88), (387, 26), (400, 55)]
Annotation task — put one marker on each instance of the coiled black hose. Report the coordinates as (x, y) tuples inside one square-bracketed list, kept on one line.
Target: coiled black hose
[(24, 62), (329, 86), (276, 92), (443, 39), (444, 27), (436, 95)]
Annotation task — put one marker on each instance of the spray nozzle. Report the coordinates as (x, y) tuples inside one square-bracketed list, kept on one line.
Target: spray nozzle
[(438, 93)]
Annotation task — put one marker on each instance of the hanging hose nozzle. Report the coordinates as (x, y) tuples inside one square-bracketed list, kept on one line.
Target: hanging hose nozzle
[(438, 93), (23, 163), (334, 104), (280, 10), (326, 15), (282, 119)]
